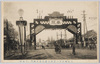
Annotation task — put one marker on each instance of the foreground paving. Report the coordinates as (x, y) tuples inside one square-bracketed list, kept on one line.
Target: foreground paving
[(51, 54)]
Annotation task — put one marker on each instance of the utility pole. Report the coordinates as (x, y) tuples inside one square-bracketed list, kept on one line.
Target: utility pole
[(61, 35), (39, 15), (65, 36), (37, 12), (57, 35), (48, 39), (39, 40), (84, 27), (51, 38)]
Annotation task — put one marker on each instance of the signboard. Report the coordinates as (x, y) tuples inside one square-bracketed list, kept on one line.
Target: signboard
[(55, 21)]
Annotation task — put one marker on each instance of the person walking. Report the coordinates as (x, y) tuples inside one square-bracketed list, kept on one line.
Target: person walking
[(57, 48)]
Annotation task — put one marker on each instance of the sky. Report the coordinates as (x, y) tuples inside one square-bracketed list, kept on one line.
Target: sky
[(10, 12)]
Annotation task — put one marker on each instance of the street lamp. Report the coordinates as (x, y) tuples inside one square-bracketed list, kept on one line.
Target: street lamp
[(22, 31)]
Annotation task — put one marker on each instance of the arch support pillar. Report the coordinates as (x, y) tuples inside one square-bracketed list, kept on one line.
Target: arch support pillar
[(74, 43), (34, 41)]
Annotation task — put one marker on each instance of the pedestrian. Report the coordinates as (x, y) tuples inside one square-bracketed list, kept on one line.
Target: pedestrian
[(43, 47), (57, 48), (90, 47)]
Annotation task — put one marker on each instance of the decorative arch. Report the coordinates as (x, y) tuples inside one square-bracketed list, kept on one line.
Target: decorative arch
[(56, 21)]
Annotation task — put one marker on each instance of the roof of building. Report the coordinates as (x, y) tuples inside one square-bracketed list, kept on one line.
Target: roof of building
[(56, 14)]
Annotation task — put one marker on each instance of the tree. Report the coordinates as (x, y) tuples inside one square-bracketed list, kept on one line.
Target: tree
[(9, 29), (10, 35)]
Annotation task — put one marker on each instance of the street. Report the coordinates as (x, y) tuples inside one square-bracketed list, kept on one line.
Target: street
[(51, 54)]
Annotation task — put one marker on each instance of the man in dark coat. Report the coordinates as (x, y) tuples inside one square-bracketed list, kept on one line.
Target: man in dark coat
[(57, 48)]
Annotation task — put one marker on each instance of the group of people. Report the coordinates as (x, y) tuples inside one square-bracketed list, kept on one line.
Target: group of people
[(92, 46), (57, 48)]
